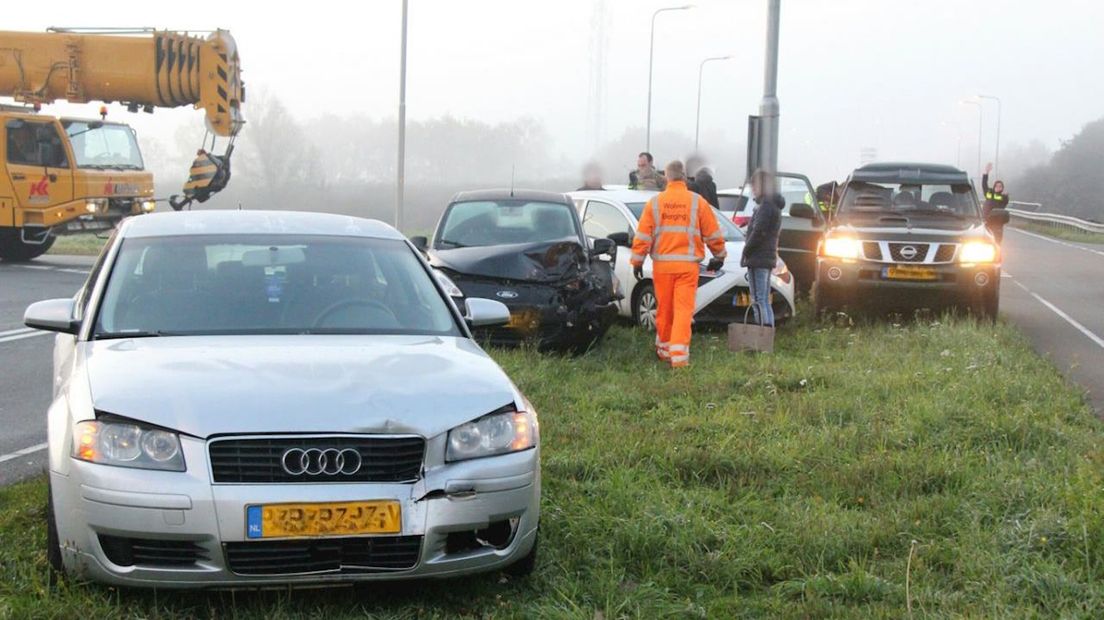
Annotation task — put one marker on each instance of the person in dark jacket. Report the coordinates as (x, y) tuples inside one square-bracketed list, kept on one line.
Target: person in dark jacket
[(995, 198), (761, 245), (704, 186)]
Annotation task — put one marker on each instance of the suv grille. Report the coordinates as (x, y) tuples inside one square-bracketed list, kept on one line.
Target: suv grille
[(900, 254), (261, 460), (345, 555), (151, 552), (871, 250), (945, 253)]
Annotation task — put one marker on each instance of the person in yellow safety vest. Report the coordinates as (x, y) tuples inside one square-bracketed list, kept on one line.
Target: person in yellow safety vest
[(995, 198), (674, 230)]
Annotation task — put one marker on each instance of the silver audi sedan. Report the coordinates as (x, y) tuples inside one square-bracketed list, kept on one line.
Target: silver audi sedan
[(252, 398)]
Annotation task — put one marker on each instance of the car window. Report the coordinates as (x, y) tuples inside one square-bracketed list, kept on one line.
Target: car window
[(731, 231), (603, 219), (35, 144), (636, 208), (732, 203), (484, 223), (909, 198), (270, 284)]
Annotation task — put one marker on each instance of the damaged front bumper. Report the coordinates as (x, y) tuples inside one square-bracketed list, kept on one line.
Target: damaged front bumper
[(458, 518), (548, 316)]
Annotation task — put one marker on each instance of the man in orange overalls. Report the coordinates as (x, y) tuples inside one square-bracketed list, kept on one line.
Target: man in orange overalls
[(674, 229)]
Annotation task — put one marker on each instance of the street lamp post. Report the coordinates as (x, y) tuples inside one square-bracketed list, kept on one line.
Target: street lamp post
[(651, 57), (996, 160), (981, 119), (400, 190), (768, 108), (697, 121)]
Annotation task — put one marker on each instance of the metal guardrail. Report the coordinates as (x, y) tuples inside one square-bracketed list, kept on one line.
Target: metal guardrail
[(1052, 219)]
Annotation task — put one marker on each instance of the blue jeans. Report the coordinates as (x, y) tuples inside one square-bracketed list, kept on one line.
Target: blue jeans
[(760, 295)]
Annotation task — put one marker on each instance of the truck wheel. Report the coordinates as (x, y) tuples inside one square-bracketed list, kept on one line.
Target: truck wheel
[(644, 306), (13, 249), (824, 303)]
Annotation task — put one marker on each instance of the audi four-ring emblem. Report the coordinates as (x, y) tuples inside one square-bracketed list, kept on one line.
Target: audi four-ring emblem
[(321, 462)]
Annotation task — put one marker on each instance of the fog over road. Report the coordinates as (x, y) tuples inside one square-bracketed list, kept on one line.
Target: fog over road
[(1052, 289)]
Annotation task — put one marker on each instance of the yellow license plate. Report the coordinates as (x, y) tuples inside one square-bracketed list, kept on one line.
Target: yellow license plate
[(524, 320), (330, 519), (908, 272), (743, 300)]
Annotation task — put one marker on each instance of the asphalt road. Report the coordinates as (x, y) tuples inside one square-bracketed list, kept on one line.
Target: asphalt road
[(1053, 290), (26, 359)]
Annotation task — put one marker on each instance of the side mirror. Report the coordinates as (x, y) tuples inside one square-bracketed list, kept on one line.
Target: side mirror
[(997, 216), (622, 239), (802, 211), (485, 312), (604, 246), (421, 243), (53, 315)]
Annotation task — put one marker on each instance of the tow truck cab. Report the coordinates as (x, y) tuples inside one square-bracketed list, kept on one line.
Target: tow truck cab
[(64, 175)]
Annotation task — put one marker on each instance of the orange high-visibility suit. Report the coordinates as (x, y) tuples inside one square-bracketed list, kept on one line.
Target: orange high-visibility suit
[(674, 229)]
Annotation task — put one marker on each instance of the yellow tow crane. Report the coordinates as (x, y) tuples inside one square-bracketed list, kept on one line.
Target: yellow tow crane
[(61, 175)]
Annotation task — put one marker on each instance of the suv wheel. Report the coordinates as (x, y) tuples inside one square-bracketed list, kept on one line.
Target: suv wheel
[(824, 303), (988, 306), (644, 306)]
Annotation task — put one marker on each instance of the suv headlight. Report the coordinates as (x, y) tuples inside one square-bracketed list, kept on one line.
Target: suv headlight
[(840, 247), (127, 444), (977, 252), (497, 433)]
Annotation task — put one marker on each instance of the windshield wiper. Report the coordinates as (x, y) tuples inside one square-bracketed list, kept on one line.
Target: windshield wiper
[(455, 244), (132, 334)]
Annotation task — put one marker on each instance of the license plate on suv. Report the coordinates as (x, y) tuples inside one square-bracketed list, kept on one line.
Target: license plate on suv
[(910, 272), (327, 519)]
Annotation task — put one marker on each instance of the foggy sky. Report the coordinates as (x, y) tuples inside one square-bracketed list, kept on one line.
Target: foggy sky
[(884, 74)]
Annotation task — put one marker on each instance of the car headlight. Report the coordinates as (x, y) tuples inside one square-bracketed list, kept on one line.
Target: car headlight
[(840, 247), (446, 283), (148, 206), (977, 252), (127, 444), (497, 433)]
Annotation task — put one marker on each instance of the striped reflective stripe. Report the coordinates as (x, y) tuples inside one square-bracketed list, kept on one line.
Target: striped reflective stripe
[(675, 257), (678, 361), (692, 230), (676, 229), (714, 236), (680, 348), (643, 237)]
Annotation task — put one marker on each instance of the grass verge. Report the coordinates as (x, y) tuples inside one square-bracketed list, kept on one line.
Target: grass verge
[(83, 244), (938, 467), (1066, 234)]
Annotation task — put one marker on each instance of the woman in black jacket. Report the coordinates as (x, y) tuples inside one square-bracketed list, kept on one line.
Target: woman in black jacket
[(761, 246)]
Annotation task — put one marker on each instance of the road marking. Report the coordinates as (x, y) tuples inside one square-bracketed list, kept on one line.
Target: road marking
[(23, 452), (1058, 241), (20, 330), (75, 270), (1067, 318), (30, 333)]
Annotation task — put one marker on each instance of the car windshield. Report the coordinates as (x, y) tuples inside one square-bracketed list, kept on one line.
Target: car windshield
[(97, 145), (269, 284), (909, 198), (498, 222)]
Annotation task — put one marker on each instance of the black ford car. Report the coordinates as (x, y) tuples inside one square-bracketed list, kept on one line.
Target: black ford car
[(527, 249), (909, 236)]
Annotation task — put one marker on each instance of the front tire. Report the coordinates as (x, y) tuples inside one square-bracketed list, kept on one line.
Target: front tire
[(14, 249), (644, 306), (824, 303), (987, 308), (53, 542)]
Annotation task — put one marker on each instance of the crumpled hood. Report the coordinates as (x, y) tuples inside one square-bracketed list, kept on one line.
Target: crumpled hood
[(531, 262), (209, 385)]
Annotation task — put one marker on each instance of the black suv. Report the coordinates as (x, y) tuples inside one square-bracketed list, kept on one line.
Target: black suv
[(909, 236)]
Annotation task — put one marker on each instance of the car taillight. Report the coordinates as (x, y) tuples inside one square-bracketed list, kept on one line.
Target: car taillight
[(740, 220)]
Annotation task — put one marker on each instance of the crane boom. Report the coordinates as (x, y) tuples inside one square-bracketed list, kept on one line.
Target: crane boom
[(158, 69)]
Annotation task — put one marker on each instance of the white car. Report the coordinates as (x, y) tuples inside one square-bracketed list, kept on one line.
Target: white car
[(257, 399), (614, 214)]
